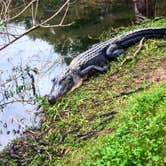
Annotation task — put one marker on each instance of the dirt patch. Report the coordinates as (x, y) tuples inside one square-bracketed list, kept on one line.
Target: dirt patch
[(158, 74)]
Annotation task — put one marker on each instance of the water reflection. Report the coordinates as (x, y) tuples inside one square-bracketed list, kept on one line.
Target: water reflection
[(18, 62), (91, 19)]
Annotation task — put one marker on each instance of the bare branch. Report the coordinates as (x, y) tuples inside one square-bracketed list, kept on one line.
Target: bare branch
[(14, 101), (36, 9), (7, 33), (22, 11), (33, 18), (135, 53), (64, 16), (55, 14), (3, 10), (58, 25), (34, 5), (7, 6), (20, 36)]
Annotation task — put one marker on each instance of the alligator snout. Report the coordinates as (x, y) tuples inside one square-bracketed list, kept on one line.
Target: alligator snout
[(52, 99)]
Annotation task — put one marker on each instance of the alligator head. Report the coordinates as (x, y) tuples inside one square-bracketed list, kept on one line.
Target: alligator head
[(64, 84)]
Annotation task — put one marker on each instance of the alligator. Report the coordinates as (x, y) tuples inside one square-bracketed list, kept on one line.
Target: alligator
[(97, 58)]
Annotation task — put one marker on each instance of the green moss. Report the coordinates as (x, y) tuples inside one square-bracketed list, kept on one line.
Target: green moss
[(135, 136)]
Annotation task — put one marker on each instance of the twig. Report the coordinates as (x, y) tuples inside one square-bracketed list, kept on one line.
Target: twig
[(96, 128), (32, 82), (129, 92), (23, 34), (33, 17), (86, 135), (129, 58), (63, 136), (112, 112), (63, 18), (9, 80), (14, 101), (135, 53), (7, 6), (19, 123), (36, 10), (55, 14), (22, 11), (7, 33), (3, 11), (106, 120), (58, 25)]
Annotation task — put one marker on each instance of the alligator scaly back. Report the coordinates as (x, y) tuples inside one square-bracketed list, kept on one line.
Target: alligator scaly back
[(97, 59), (122, 41)]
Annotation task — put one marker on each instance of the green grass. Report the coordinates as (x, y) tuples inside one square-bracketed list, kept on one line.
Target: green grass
[(138, 137), (135, 136)]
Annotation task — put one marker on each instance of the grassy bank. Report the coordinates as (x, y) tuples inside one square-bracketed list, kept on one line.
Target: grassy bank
[(138, 134), (116, 118)]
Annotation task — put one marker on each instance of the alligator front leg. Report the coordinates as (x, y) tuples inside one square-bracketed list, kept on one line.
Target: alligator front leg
[(77, 82), (91, 68), (78, 78)]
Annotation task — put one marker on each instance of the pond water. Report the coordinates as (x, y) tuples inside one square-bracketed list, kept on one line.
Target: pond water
[(28, 65)]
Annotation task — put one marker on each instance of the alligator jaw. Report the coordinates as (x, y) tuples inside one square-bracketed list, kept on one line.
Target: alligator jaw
[(55, 94), (70, 83), (77, 85), (52, 98)]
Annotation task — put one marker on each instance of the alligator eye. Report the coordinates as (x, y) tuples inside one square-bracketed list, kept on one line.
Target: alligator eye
[(54, 80), (69, 79)]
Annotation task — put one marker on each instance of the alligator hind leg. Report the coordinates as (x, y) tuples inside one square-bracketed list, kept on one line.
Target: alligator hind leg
[(89, 69), (113, 52), (118, 52)]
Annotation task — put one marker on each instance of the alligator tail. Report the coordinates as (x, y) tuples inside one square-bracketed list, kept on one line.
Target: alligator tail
[(124, 41), (130, 38)]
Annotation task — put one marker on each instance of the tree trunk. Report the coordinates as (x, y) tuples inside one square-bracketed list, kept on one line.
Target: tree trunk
[(145, 8)]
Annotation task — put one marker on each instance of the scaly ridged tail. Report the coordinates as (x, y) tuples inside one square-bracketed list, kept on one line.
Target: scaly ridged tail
[(130, 38)]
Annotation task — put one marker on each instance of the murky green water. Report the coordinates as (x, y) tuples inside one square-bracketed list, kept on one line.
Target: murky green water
[(49, 51)]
